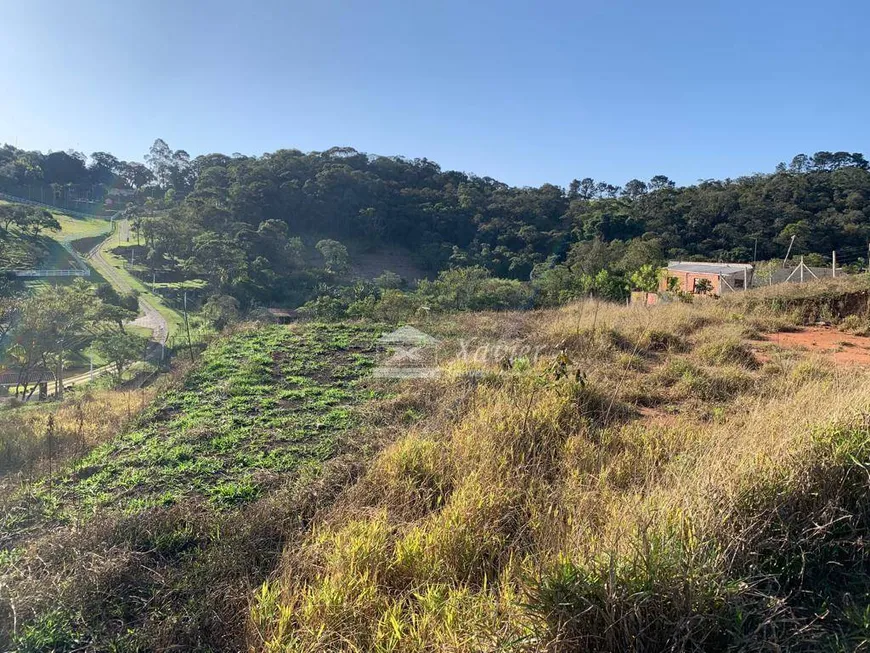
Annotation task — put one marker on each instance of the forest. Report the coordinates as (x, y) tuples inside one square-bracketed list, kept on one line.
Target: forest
[(275, 229)]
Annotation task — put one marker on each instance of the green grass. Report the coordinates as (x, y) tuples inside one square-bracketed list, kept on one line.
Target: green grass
[(143, 332), (20, 251), (260, 404), (188, 284), (173, 319), (76, 228), (72, 228)]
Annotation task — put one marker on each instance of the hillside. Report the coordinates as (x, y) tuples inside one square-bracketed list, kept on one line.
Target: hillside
[(290, 228), (593, 477), (22, 249), (174, 491)]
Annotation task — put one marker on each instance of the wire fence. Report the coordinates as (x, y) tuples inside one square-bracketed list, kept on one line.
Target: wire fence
[(45, 205), (50, 273)]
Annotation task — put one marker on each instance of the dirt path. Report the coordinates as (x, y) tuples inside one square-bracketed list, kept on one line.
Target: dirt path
[(151, 317)]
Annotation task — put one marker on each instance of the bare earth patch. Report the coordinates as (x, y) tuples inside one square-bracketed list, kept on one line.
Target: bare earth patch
[(842, 348)]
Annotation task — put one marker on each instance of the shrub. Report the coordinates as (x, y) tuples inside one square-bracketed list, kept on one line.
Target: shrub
[(389, 281), (652, 340), (324, 307), (728, 352), (463, 289)]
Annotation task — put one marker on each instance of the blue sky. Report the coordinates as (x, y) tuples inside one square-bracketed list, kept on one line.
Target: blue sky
[(526, 92)]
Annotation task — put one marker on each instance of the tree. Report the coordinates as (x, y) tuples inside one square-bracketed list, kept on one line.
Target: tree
[(7, 216), (159, 159), (120, 348), (104, 167), (10, 309), (221, 311), (135, 216), (39, 219), (52, 322), (389, 281), (135, 174), (764, 272), (16, 214), (334, 254), (660, 182), (645, 278), (634, 189), (703, 286)]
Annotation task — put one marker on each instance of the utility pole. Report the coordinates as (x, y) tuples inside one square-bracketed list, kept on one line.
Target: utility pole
[(802, 267), (789, 251), (187, 328), (834, 264), (755, 251), (59, 391)]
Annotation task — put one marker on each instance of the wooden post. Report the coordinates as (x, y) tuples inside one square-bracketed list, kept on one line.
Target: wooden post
[(789, 251)]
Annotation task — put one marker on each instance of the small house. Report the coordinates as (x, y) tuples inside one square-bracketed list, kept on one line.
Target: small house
[(283, 315), (705, 278)]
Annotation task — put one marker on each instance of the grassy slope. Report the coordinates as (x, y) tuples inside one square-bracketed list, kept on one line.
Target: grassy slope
[(653, 487), (258, 406), (645, 483), (72, 228), (174, 493), (20, 251)]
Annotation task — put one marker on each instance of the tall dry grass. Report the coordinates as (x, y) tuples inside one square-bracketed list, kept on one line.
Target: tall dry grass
[(547, 509), (34, 438)]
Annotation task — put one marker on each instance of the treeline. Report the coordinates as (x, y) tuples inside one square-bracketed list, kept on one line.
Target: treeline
[(247, 224), (69, 179)]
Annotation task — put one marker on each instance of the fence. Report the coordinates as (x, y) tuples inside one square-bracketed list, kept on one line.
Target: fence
[(800, 273), (45, 205), (50, 273)]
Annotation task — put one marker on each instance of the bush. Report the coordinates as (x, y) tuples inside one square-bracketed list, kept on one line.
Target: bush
[(728, 352), (556, 285), (389, 281), (324, 307), (473, 289)]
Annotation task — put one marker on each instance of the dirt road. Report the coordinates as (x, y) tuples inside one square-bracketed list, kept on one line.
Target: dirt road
[(151, 317)]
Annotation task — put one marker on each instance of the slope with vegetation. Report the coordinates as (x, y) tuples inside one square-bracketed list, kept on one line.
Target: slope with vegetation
[(646, 485), (275, 229), (23, 243), (595, 476), (153, 537)]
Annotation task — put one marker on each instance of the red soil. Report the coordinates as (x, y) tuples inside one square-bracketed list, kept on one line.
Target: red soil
[(842, 348)]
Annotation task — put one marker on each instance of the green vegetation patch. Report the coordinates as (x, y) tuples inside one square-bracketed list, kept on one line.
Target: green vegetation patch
[(259, 404)]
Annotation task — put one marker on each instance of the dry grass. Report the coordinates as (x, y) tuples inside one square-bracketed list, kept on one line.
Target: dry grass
[(598, 478), (547, 513), (34, 437)]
